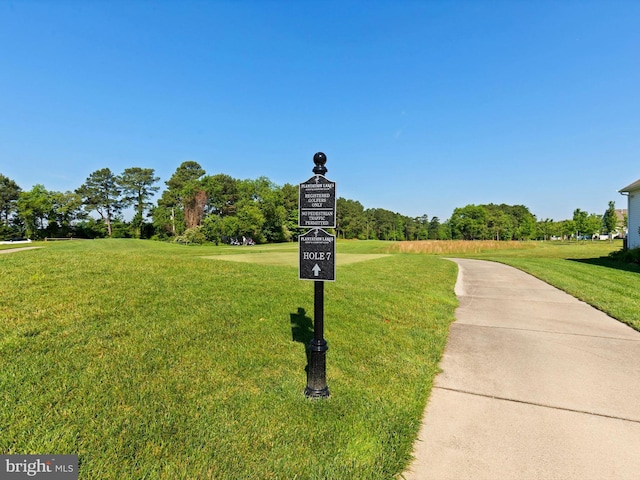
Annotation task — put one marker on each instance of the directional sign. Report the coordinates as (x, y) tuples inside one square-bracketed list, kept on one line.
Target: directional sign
[(317, 255), (317, 203)]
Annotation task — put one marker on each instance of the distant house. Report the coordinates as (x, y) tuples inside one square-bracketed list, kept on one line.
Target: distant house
[(621, 231), (633, 215)]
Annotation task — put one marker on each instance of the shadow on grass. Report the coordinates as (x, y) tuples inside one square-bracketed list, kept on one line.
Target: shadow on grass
[(302, 330), (609, 263)]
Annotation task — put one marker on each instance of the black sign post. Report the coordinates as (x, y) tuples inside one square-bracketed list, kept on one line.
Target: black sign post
[(317, 207)]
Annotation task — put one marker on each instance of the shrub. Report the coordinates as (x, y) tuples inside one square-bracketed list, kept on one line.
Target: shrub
[(631, 255), (192, 236)]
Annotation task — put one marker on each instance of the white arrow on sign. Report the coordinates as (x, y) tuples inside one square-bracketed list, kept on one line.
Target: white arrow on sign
[(316, 270)]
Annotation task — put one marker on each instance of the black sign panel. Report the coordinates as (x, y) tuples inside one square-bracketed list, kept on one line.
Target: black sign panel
[(317, 203), (317, 255)]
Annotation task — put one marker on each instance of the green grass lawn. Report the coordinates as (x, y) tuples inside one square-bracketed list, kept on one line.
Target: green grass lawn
[(158, 361), (151, 361)]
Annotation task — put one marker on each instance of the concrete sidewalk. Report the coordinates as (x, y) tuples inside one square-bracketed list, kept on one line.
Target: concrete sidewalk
[(21, 249), (535, 385)]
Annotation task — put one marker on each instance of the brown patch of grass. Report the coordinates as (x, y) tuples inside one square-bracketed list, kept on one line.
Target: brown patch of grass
[(453, 247)]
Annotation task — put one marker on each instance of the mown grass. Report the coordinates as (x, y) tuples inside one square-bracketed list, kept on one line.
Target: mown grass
[(582, 269), (152, 362)]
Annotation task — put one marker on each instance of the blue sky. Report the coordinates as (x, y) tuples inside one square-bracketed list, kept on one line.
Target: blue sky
[(420, 106)]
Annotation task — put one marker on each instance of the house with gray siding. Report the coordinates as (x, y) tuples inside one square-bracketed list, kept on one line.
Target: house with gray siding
[(633, 213)]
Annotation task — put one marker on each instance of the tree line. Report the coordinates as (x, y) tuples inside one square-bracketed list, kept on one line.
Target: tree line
[(39, 213), (196, 207)]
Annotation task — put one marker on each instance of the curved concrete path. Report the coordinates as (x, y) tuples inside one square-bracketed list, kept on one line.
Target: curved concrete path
[(21, 249), (534, 385)]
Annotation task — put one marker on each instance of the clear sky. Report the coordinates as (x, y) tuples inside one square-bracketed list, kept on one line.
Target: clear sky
[(420, 106)]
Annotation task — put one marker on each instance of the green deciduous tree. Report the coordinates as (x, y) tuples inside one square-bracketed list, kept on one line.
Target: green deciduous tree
[(167, 219), (470, 223), (351, 221), (524, 221), (384, 224), (580, 222), (34, 208), (9, 194), (67, 209), (500, 222), (289, 198), (250, 221), (267, 197), (222, 191), (593, 225), (567, 229), (587, 225), (610, 220), (544, 228), (182, 198)]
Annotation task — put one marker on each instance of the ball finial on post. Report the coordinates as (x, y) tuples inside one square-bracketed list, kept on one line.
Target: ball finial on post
[(319, 159)]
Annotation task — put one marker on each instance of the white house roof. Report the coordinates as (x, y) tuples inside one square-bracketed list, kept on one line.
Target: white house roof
[(630, 188)]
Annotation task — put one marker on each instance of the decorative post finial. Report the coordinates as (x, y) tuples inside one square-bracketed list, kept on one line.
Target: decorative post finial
[(319, 159)]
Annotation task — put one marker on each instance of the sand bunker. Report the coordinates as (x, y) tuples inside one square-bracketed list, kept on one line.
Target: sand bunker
[(291, 258)]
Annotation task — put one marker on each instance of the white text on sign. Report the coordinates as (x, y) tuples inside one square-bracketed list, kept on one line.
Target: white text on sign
[(316, 255)]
